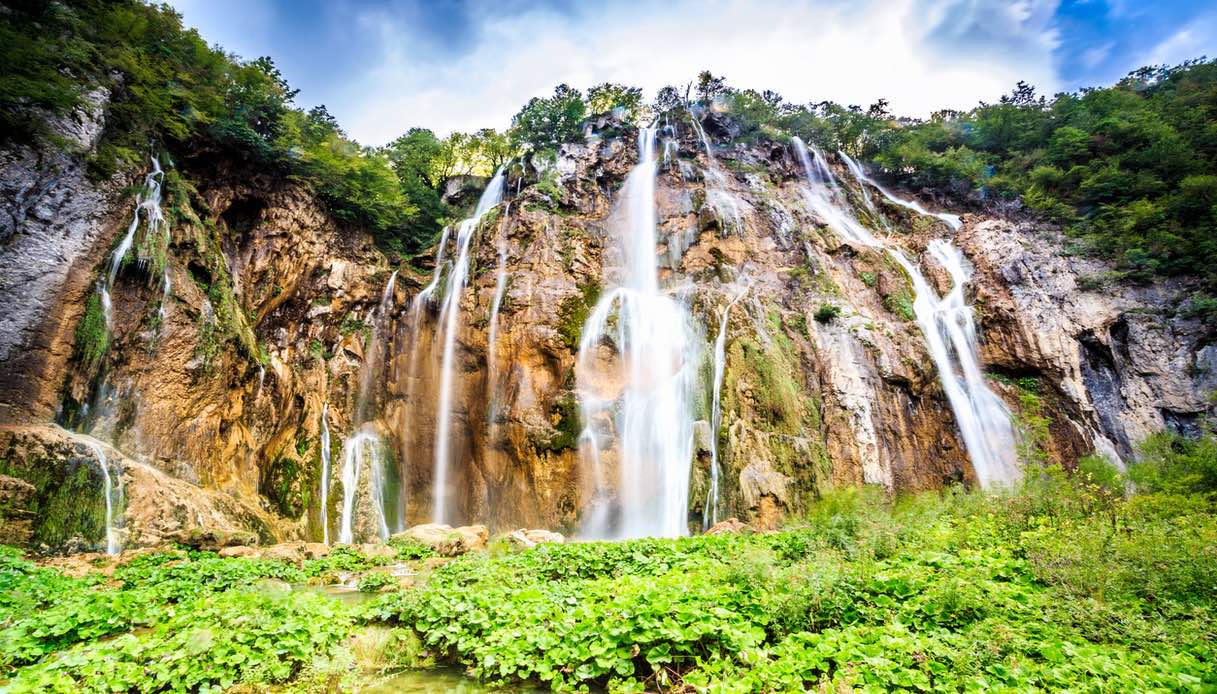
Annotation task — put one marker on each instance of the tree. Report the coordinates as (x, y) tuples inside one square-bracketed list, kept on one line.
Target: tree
[(546, 123), (710, 87), (608, 96), (668, 99), (493, 149)]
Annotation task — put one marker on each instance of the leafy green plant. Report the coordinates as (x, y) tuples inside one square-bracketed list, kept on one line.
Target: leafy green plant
[(827, 313)]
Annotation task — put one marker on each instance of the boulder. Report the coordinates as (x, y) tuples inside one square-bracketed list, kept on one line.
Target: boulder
[(239, 551), (527, 539), (729, 526), (446, 540), (214, 539), (376, 550), (290, 552)]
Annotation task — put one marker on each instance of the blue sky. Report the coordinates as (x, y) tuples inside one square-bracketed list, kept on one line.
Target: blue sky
[(382, 66)]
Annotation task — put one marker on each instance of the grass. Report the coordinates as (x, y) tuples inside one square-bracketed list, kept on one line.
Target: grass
[(1065, 583)]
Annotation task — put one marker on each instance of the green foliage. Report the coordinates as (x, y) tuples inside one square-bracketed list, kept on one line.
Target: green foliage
[(607, 97), (1173, 464), (409, 548), (827, 313), (1028, 591), (573, 313), (545, 123), (92, 333)]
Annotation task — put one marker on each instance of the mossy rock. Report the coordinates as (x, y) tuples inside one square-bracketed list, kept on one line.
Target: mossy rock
[(68, 503)]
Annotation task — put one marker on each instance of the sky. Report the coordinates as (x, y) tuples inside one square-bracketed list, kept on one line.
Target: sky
[(384, 66)]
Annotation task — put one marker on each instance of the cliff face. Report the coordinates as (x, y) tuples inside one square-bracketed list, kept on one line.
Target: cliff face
[(279, 323)]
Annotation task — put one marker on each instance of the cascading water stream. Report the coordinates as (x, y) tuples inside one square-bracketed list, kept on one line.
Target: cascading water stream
[(500, 287), (716, 411), (952, 220), (646, 399), (325, 473), (449, 324), (365, 447), (111, 493), (148, 200), (719, 198), (822, 193), (950, 333)]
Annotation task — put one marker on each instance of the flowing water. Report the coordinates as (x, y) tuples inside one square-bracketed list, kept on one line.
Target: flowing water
[(365, 448), (500, 287), (325, 473), (727, 207), (450, 324), (148, 200), (950, 334), (951, 220), (716, 411), (824, 197), (640, 408), (111, 494)]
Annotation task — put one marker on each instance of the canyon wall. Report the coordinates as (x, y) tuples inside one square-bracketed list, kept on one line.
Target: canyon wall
[(274, 320)]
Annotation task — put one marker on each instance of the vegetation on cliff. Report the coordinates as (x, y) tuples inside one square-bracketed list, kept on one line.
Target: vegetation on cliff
[(1064, 583)]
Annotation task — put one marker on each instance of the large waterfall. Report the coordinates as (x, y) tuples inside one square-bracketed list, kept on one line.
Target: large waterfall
[(449, 324), (637, 376), (950, 333)]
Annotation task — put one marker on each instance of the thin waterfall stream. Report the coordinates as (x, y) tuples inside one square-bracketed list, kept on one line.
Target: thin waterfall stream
[(449, 325), (983, 419)]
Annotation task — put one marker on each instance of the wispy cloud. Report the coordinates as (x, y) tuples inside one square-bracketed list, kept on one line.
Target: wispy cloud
[(383, 66)]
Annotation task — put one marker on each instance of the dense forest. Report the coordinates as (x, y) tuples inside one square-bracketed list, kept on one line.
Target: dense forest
[(1127, 170)]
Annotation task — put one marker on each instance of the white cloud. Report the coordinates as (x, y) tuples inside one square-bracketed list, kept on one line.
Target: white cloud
[(921, 55), (1196, 39)]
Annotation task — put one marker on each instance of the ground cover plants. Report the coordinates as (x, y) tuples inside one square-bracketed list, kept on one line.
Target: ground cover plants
[(1070, 582)]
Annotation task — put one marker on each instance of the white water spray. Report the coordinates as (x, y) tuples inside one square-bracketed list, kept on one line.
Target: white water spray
[(647, 398), (450, 323), (950, 333), (500, 287), (952, 220), (148, 200), (363, 450), (716, 411)]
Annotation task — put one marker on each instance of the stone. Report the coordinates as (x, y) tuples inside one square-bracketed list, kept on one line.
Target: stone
[(376, 550), (527, 539), (239, 551), (289, 552), (213, 539), (446, 540), (731, 526)]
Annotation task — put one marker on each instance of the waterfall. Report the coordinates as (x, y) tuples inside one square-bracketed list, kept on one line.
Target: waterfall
[(950, 334), (111, 493), (718, 196), (822, 193), (500, 286), (449, 324), (325, 473), (716, 411), (148, 200), (365, 445), (647, 399), (952, 220), (364, 449)]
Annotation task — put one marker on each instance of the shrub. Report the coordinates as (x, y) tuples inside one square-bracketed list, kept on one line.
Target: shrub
[(827, 312)]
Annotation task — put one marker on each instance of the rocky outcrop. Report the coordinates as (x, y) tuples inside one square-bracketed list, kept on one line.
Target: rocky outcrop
[(59, 495), (56, 223), (273, 330), (1123, 361)]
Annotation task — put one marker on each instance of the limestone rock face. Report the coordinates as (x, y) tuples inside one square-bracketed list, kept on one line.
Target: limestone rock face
[(1123, 361), (280, 331)]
